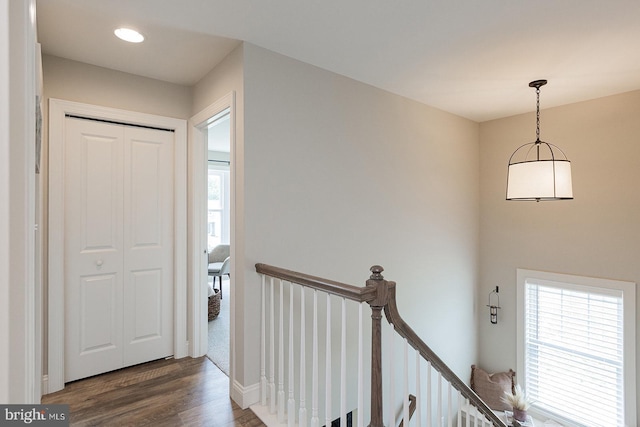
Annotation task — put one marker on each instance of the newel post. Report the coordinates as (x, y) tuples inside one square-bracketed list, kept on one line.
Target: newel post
[(377, 305)]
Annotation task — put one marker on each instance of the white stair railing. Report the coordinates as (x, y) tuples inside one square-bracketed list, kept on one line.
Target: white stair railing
[(419, 389)]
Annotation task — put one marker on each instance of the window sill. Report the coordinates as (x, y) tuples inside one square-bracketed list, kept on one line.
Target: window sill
[(464, 410)]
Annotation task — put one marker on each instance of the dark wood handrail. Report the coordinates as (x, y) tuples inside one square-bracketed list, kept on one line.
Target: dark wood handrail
[(412, 408), (355, 293)]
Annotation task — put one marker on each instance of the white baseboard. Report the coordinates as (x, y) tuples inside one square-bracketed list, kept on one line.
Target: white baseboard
[(245, 396), (45, 385), (185, 351)]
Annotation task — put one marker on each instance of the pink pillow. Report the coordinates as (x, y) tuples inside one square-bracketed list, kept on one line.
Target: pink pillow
[(491, 387)]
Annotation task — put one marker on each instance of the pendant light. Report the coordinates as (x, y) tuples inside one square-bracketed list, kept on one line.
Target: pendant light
[(539, 170)]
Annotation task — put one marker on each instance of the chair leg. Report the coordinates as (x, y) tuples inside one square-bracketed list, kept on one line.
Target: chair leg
[(220, 286)]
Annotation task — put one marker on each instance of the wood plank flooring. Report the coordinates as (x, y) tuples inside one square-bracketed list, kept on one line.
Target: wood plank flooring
[(183, 392)]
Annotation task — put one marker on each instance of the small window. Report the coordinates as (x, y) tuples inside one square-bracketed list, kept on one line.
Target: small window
[(218, 229), (576, 348)]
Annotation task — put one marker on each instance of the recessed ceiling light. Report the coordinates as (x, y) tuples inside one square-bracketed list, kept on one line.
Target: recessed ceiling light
[(129, 35)]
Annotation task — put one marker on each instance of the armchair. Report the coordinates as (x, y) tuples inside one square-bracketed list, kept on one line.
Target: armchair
[(219, 259)]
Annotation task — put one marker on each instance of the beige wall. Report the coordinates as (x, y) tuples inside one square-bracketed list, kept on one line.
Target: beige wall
[(224, 78), (340, 176), (76, 81), (597, 234)]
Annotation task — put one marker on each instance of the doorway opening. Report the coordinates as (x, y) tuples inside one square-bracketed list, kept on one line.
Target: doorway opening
[(224, 109), (218, 200)]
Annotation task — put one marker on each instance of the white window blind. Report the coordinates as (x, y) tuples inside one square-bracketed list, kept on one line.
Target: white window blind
[(573, 350)]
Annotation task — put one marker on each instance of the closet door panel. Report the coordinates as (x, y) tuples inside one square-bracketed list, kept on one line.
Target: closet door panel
[(93, 248), (149, 235)]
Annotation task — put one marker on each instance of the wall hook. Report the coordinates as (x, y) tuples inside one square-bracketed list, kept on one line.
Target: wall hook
[(494, 296)]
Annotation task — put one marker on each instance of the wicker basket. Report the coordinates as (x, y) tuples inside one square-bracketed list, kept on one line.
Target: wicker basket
[(214, 304)]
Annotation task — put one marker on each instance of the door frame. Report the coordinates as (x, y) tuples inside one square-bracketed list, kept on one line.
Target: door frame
[(20, 291), (58, 109), (198, 261)]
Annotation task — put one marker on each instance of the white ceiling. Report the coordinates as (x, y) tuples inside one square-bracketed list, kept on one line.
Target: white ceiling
[(469, 57)]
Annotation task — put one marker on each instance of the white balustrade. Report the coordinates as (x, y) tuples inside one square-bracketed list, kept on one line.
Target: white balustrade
[(315, 421), (418, 391), (391, 403), (449, 405), (291, 402), (302, 414), (360, 368), (281, 416), (439, 400), (343, 365), (429, 395), (405, 383), (263, 337), (328, 372), (436, 402), (272, 351)]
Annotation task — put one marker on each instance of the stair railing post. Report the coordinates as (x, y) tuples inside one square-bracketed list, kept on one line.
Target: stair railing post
[(377, 305)]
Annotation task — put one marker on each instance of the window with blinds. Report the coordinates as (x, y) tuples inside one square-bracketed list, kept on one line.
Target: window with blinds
[(573, 341)]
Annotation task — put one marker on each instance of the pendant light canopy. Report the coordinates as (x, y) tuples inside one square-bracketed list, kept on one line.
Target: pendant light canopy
[(539, 170)]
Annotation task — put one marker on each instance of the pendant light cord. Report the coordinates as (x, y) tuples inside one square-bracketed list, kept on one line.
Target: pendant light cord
[(538, 122), (538, 115)]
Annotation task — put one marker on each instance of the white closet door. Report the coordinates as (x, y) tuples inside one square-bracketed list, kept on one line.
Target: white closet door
[(93, 248), (148, 245), (118, 246)]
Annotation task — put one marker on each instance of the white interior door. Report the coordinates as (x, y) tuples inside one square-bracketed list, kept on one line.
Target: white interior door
[(118, 246)]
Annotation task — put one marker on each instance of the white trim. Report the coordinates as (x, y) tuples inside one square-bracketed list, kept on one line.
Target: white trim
[(19, 335), (245, 396), (33, 333), (6, 116), (628, 290), (197, 237), (57, 111), (45, 384)]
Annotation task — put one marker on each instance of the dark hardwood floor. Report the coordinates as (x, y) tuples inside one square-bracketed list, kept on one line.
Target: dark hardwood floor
[(183, 392)]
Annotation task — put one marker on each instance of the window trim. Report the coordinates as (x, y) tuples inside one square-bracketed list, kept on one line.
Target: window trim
[(628, 290)]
